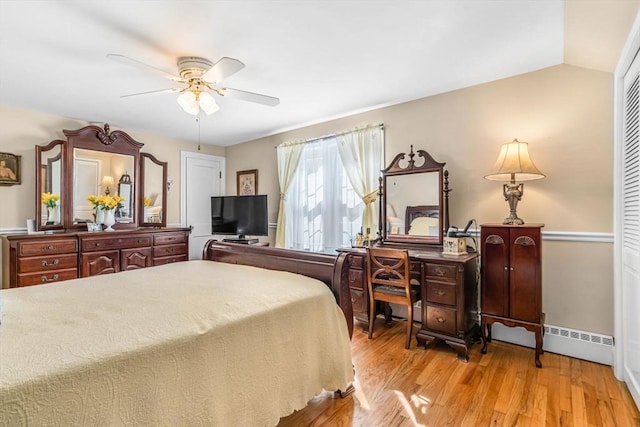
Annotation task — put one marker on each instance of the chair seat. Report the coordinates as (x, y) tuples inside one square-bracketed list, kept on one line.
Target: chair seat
[(395, 290)]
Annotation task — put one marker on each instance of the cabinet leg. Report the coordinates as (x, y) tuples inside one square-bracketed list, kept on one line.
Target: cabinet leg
[(461, 350), (538, 334)]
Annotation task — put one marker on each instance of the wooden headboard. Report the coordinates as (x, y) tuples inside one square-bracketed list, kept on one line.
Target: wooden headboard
[(333, 270), (413, 212)]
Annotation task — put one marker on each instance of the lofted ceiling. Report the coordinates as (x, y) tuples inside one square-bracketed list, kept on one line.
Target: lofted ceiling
[(323, 59)]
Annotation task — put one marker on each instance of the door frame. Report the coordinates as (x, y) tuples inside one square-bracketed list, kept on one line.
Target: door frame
[(628, 54), (183, 178)]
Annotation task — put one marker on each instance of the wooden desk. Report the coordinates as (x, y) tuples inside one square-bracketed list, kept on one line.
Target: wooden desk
[(449, 295)]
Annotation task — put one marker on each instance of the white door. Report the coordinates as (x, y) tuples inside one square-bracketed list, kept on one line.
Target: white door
[(202, 176), (630, 225)]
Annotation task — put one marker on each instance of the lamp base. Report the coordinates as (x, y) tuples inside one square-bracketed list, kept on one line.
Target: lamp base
[(513, 220), (512, 194)]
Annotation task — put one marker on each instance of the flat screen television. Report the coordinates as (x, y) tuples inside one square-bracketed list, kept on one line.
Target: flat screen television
[(239, 215)]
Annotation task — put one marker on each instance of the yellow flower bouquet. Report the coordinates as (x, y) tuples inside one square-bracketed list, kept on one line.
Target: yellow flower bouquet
[(50, 200), (105, 202), (147, 201)]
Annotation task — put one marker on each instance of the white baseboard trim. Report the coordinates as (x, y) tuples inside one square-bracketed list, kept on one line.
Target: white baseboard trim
[(568, 342)]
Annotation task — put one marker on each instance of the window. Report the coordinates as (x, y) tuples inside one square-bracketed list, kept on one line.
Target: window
[(323, 210)]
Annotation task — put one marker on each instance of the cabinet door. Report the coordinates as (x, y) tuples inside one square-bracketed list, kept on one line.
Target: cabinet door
[(495, 267), (132, 259), (525, 280), (95, 263)]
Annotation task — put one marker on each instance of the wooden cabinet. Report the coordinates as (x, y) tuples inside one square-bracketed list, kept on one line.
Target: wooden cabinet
[(448, 291), (512, 280), (44, 258)]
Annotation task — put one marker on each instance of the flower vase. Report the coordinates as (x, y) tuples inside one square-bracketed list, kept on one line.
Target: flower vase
[(109, 219), (99, 215), (53, 215)]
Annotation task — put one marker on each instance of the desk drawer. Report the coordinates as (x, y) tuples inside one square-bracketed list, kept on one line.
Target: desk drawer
[(45, 247), (169, 238), (47, 277), (357, 262), (106, 243), (441, 319), (169, 250), (441, 293), (442, 271), (357, 301), (356, 279), (47, 263)]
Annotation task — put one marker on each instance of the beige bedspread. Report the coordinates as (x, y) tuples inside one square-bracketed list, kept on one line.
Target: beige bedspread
[(192, 343)]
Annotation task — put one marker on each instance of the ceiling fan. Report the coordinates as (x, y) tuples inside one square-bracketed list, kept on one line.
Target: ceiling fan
[(200, 78)]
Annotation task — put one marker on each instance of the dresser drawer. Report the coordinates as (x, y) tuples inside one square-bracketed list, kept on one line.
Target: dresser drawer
[(57, 246), (170, 259), (169, 250), (106, 243), (441, 293), (169, 238), (441, 319), (357, 262), (442, 271), (47, 263), (47, 277)]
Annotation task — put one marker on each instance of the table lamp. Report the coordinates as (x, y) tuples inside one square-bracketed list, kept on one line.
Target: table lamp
[(514, 164), (107, 181)]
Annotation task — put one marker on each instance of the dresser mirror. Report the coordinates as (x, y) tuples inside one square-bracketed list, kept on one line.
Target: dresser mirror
[(154, 191), (49, 185), (414, 200), (93, 161)]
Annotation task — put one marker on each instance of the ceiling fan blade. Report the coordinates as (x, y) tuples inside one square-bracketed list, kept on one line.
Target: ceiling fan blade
[(248, 96), (142, 65), (153, 91), (222, 69)]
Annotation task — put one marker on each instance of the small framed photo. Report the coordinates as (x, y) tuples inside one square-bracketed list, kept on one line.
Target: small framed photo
[(247, 182), (9, 169)]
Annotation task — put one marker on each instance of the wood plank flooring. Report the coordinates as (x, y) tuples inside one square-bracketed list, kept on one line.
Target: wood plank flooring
[(399, 387)]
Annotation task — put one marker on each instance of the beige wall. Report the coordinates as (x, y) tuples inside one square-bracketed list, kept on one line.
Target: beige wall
[(564, 112)]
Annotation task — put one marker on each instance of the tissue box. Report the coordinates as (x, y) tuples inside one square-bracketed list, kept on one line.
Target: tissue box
[(454, 245)]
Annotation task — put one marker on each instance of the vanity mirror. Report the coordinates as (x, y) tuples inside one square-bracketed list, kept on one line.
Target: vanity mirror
[(414, 200)]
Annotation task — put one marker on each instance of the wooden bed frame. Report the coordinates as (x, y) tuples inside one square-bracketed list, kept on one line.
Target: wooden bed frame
[(330, 269)]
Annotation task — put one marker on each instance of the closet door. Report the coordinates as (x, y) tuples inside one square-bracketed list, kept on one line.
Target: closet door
[(630, 223)]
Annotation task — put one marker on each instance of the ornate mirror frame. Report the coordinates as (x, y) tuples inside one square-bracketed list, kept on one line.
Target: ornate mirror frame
[(149, 215), (50, 181), (404, 165)]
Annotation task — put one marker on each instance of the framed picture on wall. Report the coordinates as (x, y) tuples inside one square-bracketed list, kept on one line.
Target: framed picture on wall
[(9, 169), (247, 182)]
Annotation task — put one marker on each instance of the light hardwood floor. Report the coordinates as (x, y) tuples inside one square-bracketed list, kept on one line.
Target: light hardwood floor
[(398, 387)]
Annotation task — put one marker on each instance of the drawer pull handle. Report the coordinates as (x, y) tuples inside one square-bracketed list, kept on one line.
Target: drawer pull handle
[(439, 272), (440, 292), (49, 264), (50, 247), (353, 300), (440, 319), (45, 279)]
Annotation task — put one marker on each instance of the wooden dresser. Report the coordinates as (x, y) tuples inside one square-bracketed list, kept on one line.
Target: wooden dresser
[(33, 259), (449, 295)]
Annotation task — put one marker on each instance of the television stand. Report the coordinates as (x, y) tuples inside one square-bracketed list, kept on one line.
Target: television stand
[(244, 241)]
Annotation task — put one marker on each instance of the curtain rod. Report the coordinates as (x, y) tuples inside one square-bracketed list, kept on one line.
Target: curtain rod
[(306, 141)]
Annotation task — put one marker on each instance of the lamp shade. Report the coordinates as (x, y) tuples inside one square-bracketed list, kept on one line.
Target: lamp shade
[(208, 104), (189, 102), (514, 164), (108, 181)]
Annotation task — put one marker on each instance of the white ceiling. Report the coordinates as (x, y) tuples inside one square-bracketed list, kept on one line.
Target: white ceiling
[(323, 59)]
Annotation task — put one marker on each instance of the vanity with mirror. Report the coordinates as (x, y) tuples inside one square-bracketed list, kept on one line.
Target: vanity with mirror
[(414, 215), (95, 180)]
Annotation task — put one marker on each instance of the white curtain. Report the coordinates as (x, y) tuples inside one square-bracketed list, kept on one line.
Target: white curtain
[(288, 160), (361, 154), (323, 211)]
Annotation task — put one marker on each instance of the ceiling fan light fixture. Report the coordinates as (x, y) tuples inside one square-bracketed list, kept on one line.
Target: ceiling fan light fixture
[(189, 102), (207, 103)]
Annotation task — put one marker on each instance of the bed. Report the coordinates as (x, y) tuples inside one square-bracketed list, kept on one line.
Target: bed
[(190, 343)]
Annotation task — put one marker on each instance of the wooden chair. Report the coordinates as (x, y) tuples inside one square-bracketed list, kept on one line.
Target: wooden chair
[(389, 280)]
